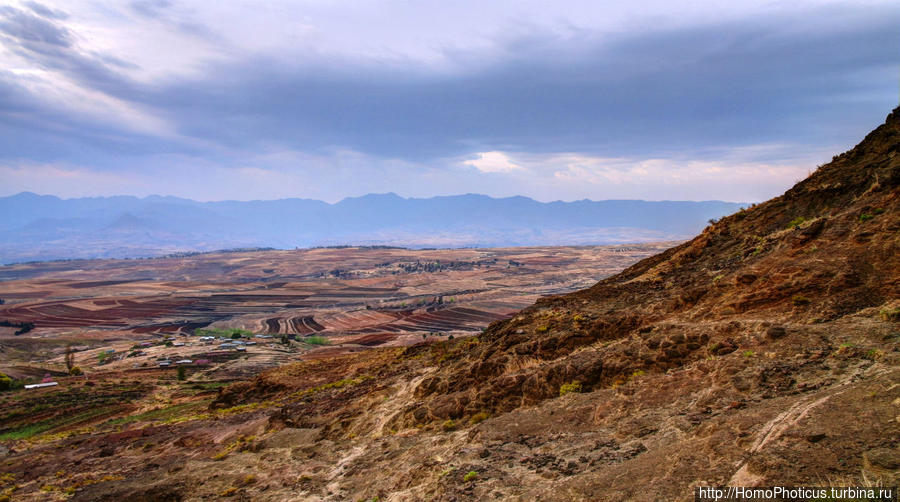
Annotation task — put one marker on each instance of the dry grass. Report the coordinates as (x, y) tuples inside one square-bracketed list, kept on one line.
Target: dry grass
[(520, 363)]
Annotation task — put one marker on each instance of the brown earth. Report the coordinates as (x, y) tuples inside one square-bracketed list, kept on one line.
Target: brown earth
[(766, 351), (354, 297)]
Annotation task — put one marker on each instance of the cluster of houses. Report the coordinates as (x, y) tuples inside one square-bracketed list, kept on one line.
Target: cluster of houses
[(225, 344), (164, 363)]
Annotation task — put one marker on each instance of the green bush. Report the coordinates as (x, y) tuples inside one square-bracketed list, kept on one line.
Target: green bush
[(75, 371), (567, 388), (6, 382), (470, 476)]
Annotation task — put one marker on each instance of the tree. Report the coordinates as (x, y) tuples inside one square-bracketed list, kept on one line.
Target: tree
[(182, 373), (70, 358)]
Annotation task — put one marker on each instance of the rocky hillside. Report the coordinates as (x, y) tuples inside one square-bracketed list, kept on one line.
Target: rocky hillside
[(764, 351), (827, 249)]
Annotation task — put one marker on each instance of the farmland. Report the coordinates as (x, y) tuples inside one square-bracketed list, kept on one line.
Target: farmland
[(130, 315)]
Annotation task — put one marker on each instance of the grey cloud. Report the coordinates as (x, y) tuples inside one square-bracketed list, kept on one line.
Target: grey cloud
[(30, 30), (48, 44), (161, 11), (650, 93), (724, 84), (150, 8), (44, 11)]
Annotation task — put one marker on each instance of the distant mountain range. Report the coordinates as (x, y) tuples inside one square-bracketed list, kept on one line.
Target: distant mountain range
[(45, 227)]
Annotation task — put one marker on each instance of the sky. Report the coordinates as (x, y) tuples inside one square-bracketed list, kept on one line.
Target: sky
[(326, 99)]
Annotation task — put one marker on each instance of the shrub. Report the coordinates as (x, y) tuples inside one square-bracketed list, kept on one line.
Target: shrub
[(888, 314), (470, 476), (182, 373), (567, 388), (6, 382), (75, 371), (874, 354), (228, 491), (796, 222), (479, 417), (800, 300), (866, 217), (449, 425)]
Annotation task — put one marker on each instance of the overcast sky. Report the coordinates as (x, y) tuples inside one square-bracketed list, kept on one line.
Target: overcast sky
[(326, 99)]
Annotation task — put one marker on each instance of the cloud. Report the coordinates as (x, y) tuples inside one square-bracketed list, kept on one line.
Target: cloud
[(493, 162), (30, 31), (150, 8), (362, 100), (44, 11)]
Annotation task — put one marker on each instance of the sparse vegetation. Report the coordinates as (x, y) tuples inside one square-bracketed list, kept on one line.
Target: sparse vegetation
[(339, 384), (874, 354), (448, 425), (796, 222), (315, 340), (470, 476)]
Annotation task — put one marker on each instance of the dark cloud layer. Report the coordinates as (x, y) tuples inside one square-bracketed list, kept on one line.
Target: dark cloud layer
[(790, 79)]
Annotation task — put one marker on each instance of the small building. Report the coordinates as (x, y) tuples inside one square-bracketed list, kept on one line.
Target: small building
[(183, 361), (39, 385)]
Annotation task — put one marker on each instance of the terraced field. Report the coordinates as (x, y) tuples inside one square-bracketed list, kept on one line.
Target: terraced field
[(352, 297)]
